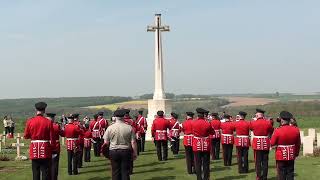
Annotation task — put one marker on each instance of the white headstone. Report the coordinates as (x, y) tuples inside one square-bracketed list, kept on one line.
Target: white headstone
[(312, 133), (301, 136), (318, 139), (4, 136), (18, 145), (307, 145)]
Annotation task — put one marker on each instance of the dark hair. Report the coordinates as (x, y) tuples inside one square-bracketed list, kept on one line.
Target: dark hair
[(5, 117)]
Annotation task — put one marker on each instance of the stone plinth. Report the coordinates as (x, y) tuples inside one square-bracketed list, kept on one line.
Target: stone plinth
[(153, 107), (307, 145), (318, 139)]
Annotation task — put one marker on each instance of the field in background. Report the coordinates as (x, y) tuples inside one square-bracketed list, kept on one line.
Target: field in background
[(136, 104)]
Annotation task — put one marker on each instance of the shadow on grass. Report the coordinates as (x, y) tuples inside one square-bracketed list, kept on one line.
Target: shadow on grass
[(219, 168), (95, 171), (232, 177), (150, 164), (99, 178), (154, 170), (98, 165), (178, 157), (163, 178)]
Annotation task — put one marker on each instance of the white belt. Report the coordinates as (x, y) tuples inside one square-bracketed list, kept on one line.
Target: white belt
[(97, 130), (161, 131), (227, 134), (174, 129), (201, 137), (87, 138), (189, 135), (57, 141), (242, 136), (260, 137), (216, 130), (39, 141), (285, 146), (72, 139)]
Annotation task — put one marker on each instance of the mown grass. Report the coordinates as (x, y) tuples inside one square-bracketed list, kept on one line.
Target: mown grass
[(147, 167)]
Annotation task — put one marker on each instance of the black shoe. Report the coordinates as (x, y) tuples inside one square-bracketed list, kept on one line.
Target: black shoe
[(75, 173), (69, 173)]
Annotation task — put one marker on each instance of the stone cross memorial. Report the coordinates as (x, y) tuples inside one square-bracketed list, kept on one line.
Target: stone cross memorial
[(18, 145), (301, 136), (159, 101)]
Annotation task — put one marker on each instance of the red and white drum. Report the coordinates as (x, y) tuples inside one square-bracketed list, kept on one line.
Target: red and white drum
[(227, 138), (72, 144), (242, 141), (261, 143), (87, 142), (40, 149), (285, 152), (161, 135), (187, 140), (201, 144)]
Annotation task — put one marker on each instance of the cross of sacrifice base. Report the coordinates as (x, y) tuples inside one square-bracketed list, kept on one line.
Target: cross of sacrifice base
[(18, 145)]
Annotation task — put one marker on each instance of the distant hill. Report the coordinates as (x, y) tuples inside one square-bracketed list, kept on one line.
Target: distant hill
[(25, 107)]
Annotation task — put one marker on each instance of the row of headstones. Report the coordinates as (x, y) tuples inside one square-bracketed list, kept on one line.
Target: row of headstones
[(308, 141), (18, 144)]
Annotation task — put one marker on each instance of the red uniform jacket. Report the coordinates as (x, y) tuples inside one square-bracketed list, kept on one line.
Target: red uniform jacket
[(227, 129), (201, 130), (142, 123), (159, 129), (174, 127), (216, 126), (87, 138), (57, 132), (81, 140), (95, 129), (242, 128), (72, 133), (104, 125), (187, 130), (262, 129), (287, 140), (40, 130), (136, 129)]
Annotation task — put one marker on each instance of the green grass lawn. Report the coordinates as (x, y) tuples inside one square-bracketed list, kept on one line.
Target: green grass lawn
[(147, 167)]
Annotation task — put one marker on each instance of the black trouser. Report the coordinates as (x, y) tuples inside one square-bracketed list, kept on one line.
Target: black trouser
[(175, 143), (215, 148), (189, 159), (41, 167), (7, 130), (12, 130), (131, 163), (227, 154), (202, 164), (120, 163), (72, 162), (87, 155), (285, 170), (80, 156), (138, 146), (55, 167), (164, 145), (143, 141), (262, 158), (242, 155), (97, 146)]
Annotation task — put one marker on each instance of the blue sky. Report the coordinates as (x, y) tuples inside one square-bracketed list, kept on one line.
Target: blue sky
[(88, 48)]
